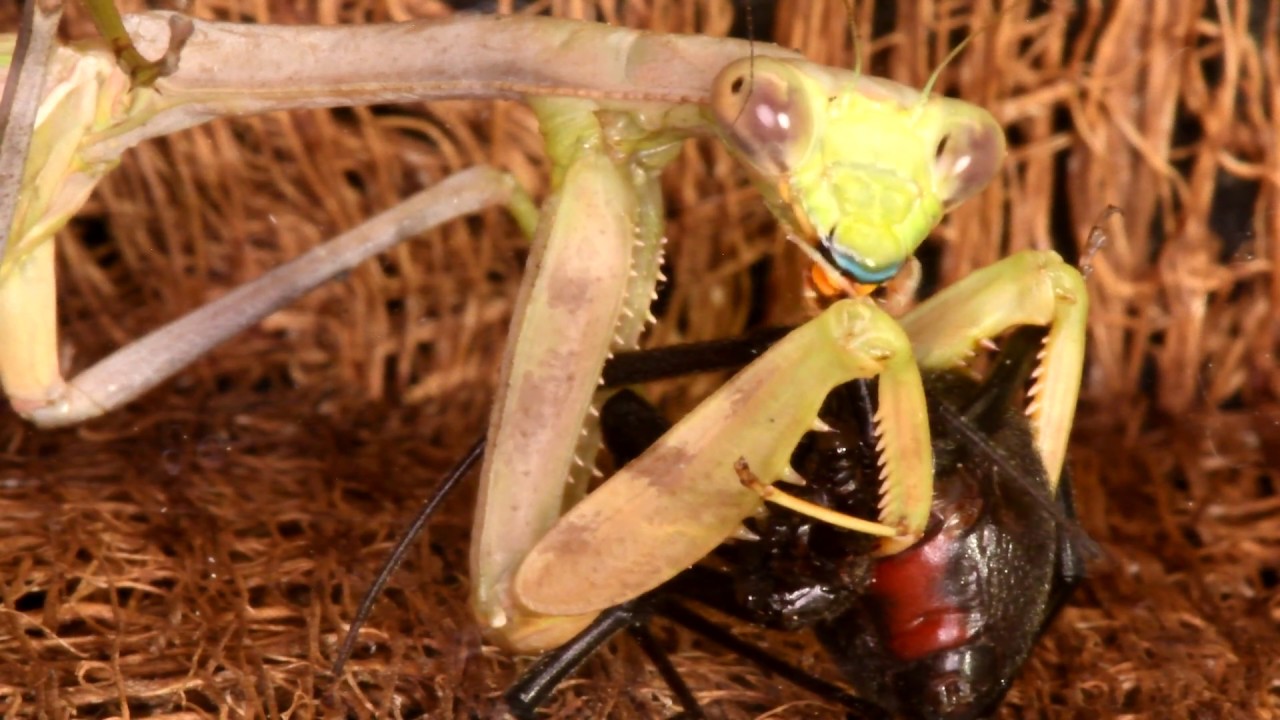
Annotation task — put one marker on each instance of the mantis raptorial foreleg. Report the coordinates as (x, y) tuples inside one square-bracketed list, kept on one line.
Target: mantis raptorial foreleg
[(590, 244), (1030, 288), (675, 503)]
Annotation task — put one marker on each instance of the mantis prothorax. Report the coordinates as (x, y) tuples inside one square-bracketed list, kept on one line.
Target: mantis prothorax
[(858, 167)]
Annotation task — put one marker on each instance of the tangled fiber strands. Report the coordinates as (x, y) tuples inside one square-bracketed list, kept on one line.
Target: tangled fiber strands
[(200, 553)]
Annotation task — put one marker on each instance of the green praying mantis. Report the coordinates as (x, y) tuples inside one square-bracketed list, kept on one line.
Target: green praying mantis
[(857, 169)]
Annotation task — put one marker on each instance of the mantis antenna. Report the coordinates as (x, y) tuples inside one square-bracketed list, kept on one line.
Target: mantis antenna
[(927, 90), (853, 35), (751, 56)]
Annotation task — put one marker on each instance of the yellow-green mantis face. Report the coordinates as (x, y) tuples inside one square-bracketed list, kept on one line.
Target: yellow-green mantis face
[(863, 166)]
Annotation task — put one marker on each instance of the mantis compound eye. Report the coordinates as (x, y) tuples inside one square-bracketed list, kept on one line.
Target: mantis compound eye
[(969, 153), (764, 112)]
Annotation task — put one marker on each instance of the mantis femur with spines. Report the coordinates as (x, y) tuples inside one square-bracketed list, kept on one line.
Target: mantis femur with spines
[(858, 170)]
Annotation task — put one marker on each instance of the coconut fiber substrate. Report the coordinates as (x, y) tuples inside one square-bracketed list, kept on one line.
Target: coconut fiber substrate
[(201, 552)]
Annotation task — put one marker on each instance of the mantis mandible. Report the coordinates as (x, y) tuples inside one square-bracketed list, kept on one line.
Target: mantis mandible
[(857, 169)]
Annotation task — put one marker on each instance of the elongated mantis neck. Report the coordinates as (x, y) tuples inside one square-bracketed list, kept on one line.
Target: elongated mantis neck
[(228, 68)]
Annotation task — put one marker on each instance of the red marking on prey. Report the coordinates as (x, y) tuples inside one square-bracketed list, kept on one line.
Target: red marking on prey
[(920, 614)]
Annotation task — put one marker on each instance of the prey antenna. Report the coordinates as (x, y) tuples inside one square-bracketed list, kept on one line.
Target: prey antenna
[(392, 563)]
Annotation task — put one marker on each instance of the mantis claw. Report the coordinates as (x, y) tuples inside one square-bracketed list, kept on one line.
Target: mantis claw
[(680, 490), (819, 426), (1029, 288), (791, 477), (772, 494)]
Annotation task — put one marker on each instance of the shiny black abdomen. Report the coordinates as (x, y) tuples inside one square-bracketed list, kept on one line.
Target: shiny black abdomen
[(940, 630)]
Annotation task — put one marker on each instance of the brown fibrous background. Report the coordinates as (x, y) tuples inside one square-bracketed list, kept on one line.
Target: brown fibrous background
[(201, 552)]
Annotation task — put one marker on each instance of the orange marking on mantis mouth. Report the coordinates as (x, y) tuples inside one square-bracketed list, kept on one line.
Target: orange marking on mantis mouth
[(830, 290)]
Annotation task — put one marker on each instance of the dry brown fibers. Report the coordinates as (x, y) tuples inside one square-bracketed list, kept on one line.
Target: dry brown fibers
[(200, 552)]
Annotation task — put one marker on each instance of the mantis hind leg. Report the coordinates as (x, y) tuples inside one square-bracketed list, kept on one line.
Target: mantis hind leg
[(29, 367)]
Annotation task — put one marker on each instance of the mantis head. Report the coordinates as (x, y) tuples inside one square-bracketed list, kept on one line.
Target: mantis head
[(862, 166)]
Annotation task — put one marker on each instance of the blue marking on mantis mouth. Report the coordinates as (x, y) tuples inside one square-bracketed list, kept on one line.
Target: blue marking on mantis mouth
[(856, 269)]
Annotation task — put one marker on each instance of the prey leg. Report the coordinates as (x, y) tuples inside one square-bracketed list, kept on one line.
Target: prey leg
[(1073, 550), (859, 709), (537, 683), (28, 361)]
